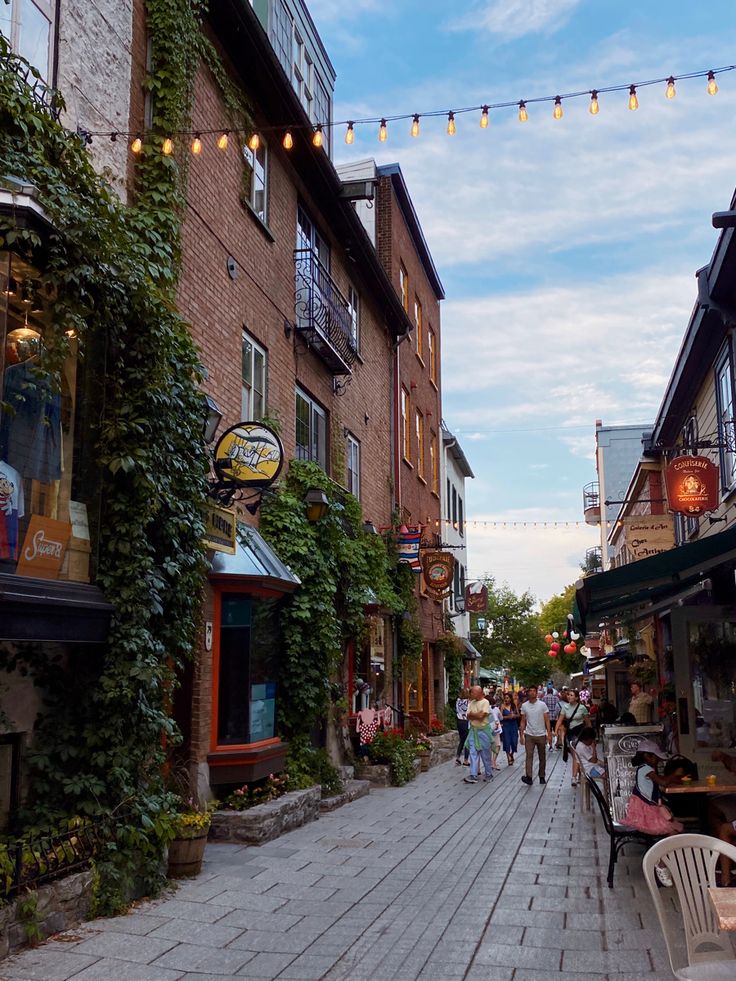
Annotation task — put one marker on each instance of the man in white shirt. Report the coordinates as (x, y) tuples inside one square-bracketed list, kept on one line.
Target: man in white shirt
[(480, 735), (535, 731)]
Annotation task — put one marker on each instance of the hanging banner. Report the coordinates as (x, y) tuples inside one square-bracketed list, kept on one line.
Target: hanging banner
[(248, 455), (408, 544), (692, 485), (476, 597), (438, 569), (219, 529), (649, 534)]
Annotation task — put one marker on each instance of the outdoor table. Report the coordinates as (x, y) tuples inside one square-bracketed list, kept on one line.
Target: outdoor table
[(704, 789), (723, 902)]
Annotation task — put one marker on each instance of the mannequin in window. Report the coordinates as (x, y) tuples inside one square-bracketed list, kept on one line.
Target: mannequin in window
[(367, 723)]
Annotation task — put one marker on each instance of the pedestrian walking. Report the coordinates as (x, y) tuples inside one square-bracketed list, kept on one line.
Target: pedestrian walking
[(495, 722), (573, 719), (509, 726), (461, 711), (552, 701), (535, 733), (641, 704), (480, 735)]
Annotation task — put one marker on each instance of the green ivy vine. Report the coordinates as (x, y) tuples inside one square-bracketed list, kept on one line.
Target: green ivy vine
[(111, 272), (341, 568)]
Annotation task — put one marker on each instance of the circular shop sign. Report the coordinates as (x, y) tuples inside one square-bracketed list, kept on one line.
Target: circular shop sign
[(248, 455)]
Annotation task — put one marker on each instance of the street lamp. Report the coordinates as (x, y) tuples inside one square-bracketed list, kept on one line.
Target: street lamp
[(211, 419), (317, 504)]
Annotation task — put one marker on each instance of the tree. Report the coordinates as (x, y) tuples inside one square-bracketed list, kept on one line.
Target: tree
[(514, 640), (553, 617)]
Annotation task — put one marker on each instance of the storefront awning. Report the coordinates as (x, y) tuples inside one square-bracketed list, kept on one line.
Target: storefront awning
[(470, 652), (45, 610), (655, 578), (254, 562)]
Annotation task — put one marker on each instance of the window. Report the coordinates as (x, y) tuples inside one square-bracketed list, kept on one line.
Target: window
[(281, 31), (419, 328), (311, 430), (454, 508), (27, 25), (726, 431), (354, 311), (254, 379), (302, 77), (432, 346), (352, 465), (404, 286), (322, 112), (246, 670), (460, 518), (257, 160), (307, 237), (405, 425), (434, 464), (449, 500), (420, 443)]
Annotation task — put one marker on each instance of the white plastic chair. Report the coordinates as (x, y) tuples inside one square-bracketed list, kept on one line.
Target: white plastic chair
[(691, 861)]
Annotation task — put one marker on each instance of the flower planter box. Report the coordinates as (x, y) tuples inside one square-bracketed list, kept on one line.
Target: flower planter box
[(377, 774), (266, 821)]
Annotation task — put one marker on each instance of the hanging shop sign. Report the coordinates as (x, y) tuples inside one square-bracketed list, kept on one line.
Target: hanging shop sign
[(692, 485), (408, 544), (219, 529), (476, 597), (438, 569), (649, 535), (44, 548), (248, 455)]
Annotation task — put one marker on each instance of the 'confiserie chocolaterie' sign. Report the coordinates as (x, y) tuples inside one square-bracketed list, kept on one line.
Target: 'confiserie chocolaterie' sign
[(692, 485)]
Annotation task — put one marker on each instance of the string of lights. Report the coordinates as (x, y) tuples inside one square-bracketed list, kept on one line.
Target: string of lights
[(470, 523), (315, 132)]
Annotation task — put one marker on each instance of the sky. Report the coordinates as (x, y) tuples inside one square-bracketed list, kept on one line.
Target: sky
[(567, 248)]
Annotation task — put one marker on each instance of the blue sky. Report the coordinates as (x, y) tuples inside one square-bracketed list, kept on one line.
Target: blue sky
[(567, 247)]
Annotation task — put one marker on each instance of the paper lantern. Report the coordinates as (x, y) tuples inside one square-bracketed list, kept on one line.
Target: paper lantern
[(548, 638), (574, 635), (569, 648), (555, 634), (555, 647), (551, 653)]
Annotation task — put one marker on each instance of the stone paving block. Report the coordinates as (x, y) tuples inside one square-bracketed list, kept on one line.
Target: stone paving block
[(179, 909), (110, 969), (590, 962), (246, 919), (190, 957), (138, 924), (44, 964), (503, 955), (566, 939), (526, 917), (270, 943), (308, 967), (248, 900), (315, 894), (121, 946), (201, 934), (265, 966)]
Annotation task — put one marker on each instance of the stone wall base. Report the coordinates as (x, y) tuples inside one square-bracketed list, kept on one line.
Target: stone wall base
[(352, 790), (444, 748), (60, 905), (267, 821)]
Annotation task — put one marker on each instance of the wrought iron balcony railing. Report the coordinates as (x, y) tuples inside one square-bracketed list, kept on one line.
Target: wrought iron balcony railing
[(592, 503), (323, 314), (44, 96), (594, 559)]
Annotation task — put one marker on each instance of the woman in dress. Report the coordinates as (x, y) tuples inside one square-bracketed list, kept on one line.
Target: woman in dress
[(461, 711), (367, 722), (510, 726)]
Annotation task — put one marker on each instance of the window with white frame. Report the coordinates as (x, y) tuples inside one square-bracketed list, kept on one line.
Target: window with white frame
[(419, 325), (303, 74), (419, 427), (28, 25), (354, 311), (282, 27), (352, 465), (253, 379), (726, 431), (257, 160), (322, 112), (311, 430)]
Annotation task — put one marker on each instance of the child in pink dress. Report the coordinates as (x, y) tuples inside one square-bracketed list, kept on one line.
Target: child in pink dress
[(645, 811)]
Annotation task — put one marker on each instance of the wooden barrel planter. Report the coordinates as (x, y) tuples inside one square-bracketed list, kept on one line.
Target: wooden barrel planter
[(424, 757), (185, 856)]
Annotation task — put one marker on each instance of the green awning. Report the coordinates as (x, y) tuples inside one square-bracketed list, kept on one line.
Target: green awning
[(658, 577)]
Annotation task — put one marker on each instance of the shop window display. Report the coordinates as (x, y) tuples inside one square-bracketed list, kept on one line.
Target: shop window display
[(43, 523)]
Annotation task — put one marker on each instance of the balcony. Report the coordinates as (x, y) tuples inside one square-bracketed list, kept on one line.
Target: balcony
[(592, 503), (323, 316), (593, 560)]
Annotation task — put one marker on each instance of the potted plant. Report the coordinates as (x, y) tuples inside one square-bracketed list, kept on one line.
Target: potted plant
[(424, 750), (189, 826)]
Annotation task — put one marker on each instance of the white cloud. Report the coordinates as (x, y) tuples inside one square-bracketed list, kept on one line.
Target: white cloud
[(512, 19)]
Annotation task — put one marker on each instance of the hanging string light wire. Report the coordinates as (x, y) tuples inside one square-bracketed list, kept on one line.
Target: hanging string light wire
[(382, 121)]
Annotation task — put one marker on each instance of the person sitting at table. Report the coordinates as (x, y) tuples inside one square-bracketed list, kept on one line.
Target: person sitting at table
[(722, 819), (585, 750), (645, 811), (676, 770)]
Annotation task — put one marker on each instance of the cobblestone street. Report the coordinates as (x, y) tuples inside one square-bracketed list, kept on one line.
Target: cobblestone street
[(435, 880)]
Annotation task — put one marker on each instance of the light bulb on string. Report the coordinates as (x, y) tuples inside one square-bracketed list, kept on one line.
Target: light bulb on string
[(350, 134), (712, 87), (415, 125), (633, 100), (383, 131), (253, 143), (317, 136), (557, 111), (484, 117), (451, 127), (594, 107), (137, 145), (196, 145), (288, 141), (167, 147), (523, 114), (222, 141), (670, 92)]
